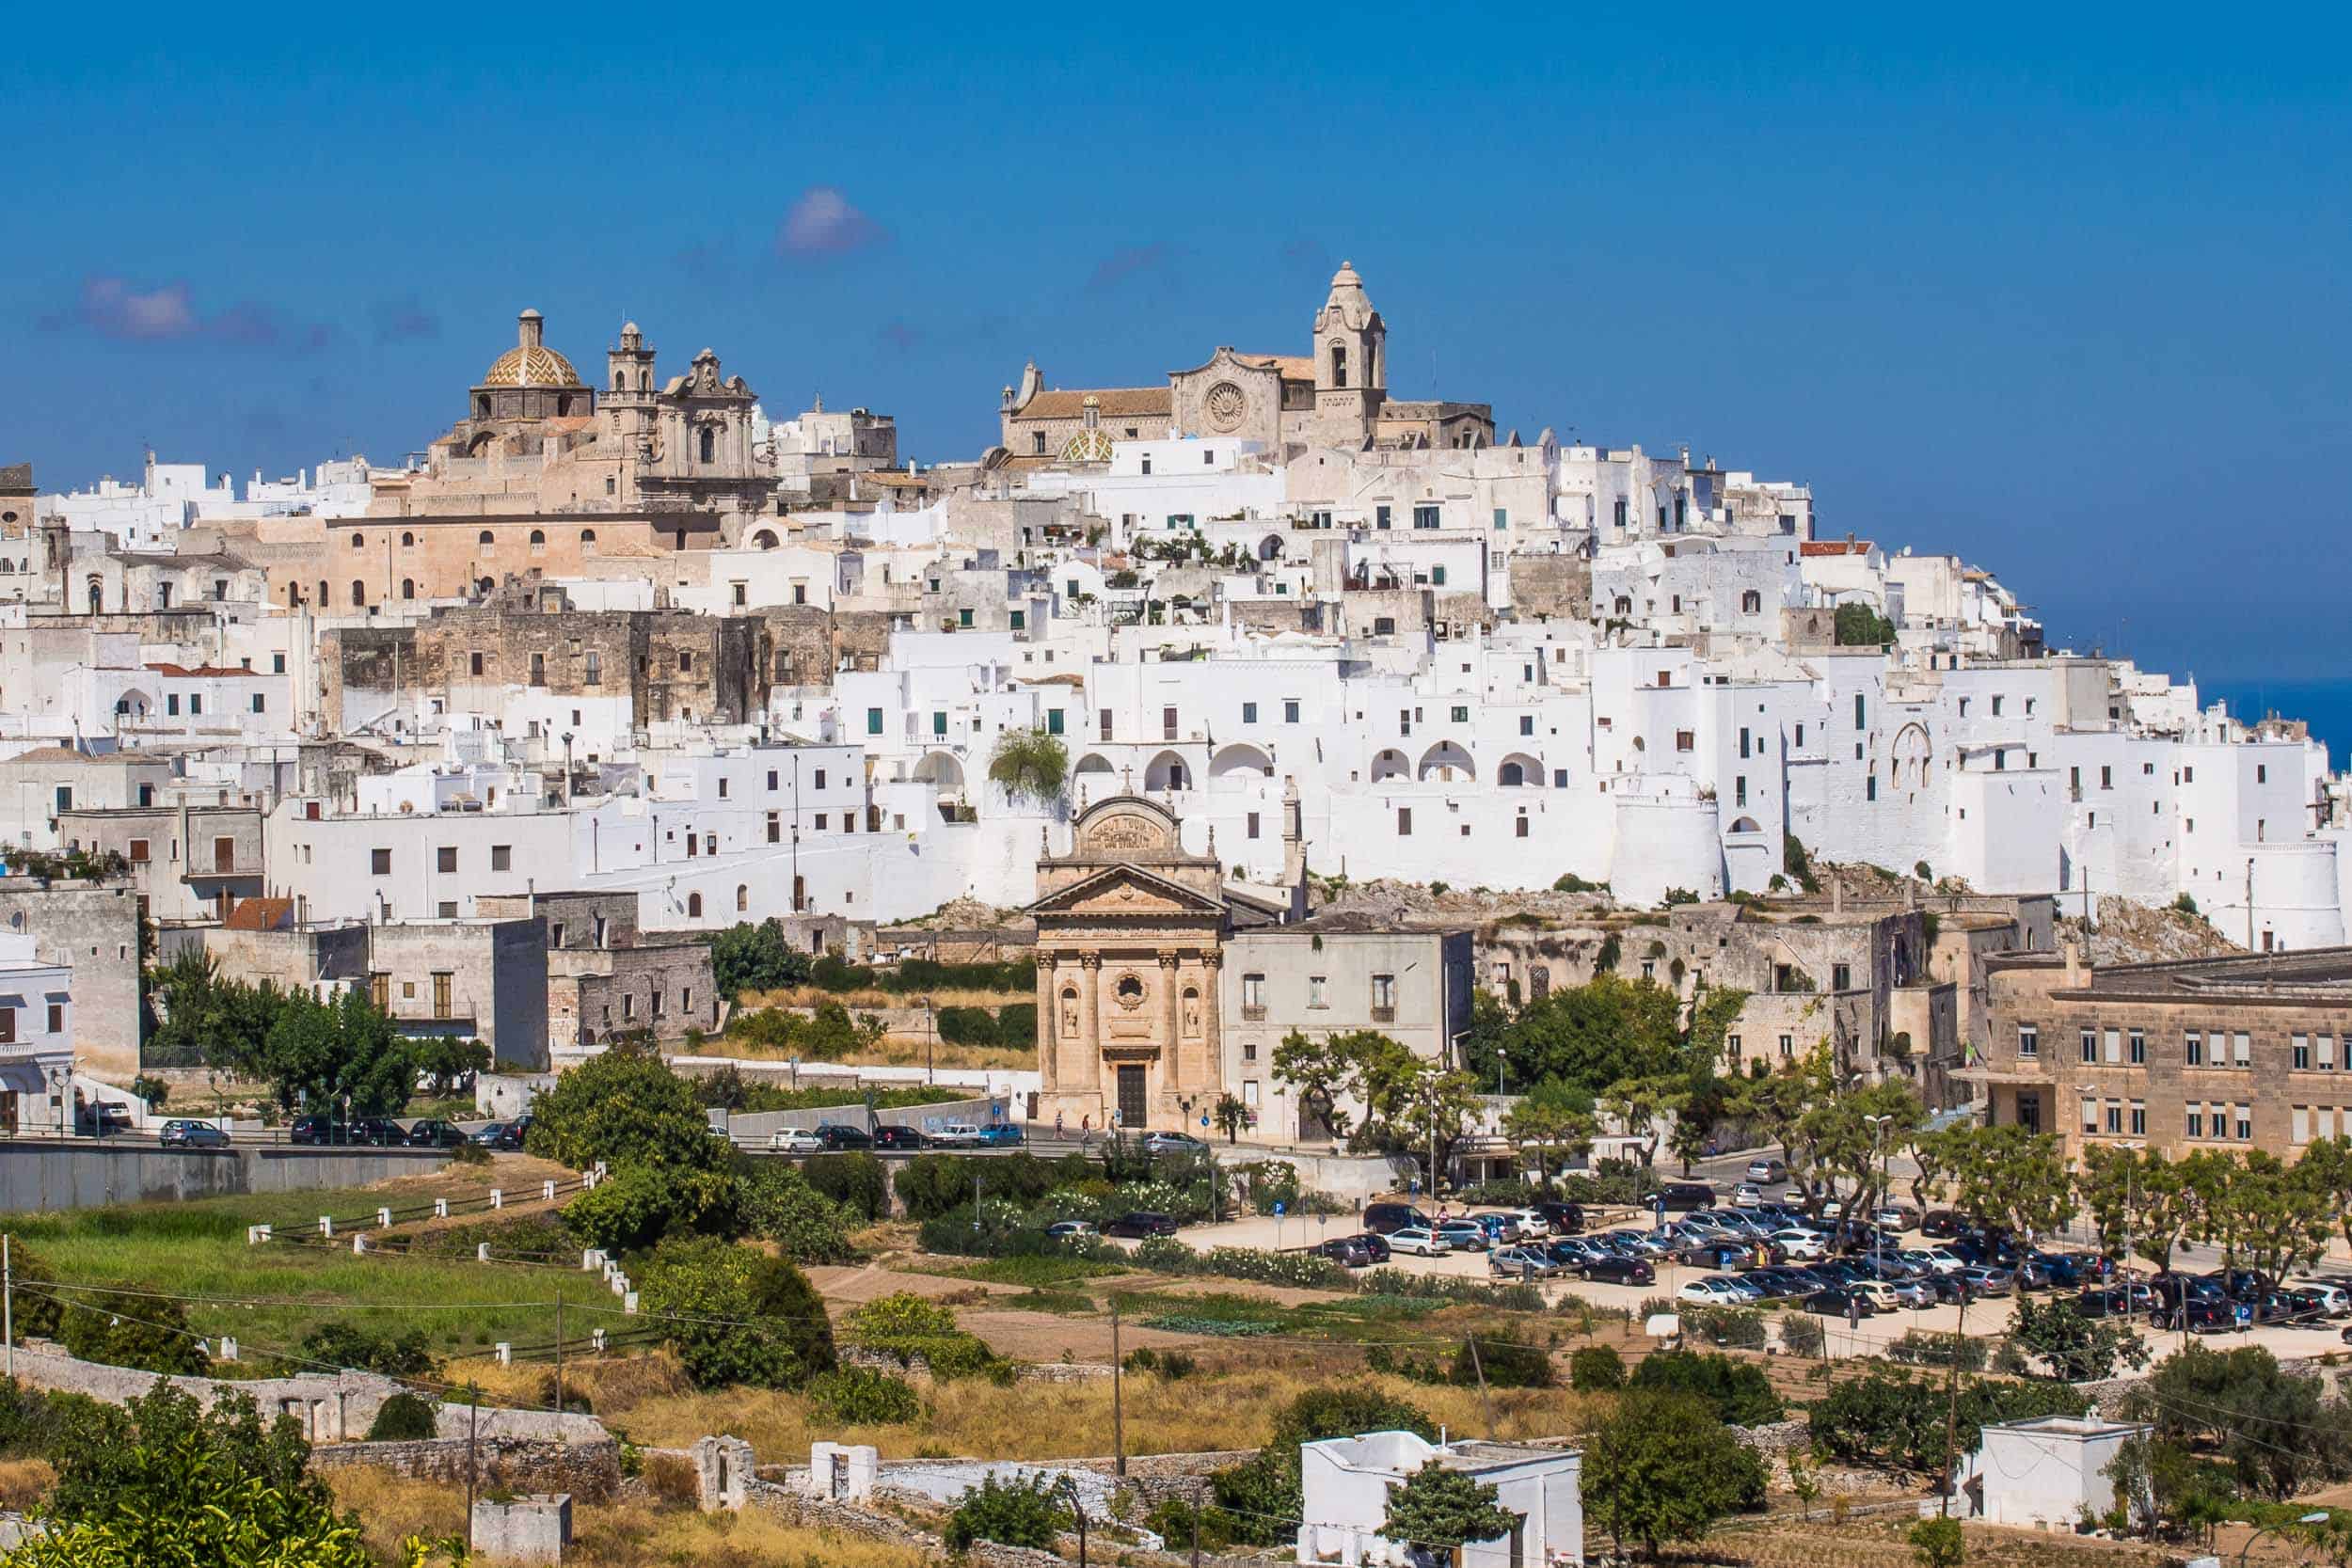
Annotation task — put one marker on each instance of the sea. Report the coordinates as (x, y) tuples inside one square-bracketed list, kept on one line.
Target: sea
[(2326, 706)]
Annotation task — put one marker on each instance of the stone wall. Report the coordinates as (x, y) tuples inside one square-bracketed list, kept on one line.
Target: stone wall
[(589, 1471), (1552, 587), (79, 1174), (95, 930)]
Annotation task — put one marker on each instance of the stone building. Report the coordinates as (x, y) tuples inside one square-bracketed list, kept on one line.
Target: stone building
[(92, 929), (188, 862), (605, 979), (471, 979), (2230, 1053), (670, 665), (1334, 395)]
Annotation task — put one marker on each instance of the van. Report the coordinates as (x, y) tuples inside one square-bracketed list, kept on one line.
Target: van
[(1680, 1198), (1383, 1219)]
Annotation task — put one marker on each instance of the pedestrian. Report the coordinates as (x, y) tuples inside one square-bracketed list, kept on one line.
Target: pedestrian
[(1057, 1116)]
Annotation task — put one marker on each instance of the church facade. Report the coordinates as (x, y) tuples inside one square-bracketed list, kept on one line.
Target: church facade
[(1334, 395)]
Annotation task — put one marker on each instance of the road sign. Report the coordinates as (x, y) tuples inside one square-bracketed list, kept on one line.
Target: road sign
[(1277, 1209)]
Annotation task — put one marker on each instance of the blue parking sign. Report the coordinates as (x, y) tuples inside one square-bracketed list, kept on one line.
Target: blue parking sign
[(1277, 1209)]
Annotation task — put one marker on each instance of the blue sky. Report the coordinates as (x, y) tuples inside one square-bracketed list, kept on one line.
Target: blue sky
[(2061, 290)]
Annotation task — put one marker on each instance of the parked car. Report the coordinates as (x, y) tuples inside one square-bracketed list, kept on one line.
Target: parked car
[(1375, 1248), (2201, 1314), (1918, 1294), (1680, 1198), (1141, 1223), (1767, 1169), (1722, 1254), (1939, 1223), (1574, 1252), (1747, 1195), (2289, 1306), (1713, 1290), (795, 1140), (1617, 1270), (1347, 1251), (2335, 1301), (192, 1135), (2118, 1301), (1840, 1300), (432, 1133), (2243, 1284), (109, 1117), (839, 1135), (1897, 1217), (1002, 1134), (1565, 1219), (1465, 1236), (516, 1132), (902, 1139), (1803, 1246), (1071, 1230), (320, 1131), (1382, 1219), (1521, 1263), (957, 1135), (1985, 1281), (1531, 1221), (2073, 1270), (1419, 1240), (1502, 1230), (1173, 1143), (378, 1132), (1932, 1259)]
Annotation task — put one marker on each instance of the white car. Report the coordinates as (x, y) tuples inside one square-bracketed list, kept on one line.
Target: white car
[(1747, 1195), (1071, 1230), (2335, 1301), (796, 1140), (958, 1135), (1531, 1224), (1802, 1246), (1713, 1290), (1935, 1259), (1419, 1241)]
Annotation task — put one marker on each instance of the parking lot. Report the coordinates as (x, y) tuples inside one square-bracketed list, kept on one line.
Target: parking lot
[(1987, 1317)]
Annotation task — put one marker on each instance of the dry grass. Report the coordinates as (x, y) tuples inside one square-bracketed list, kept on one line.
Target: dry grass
[(624, 1534), (895, 1050), (1230, 1404), (24, 1482)]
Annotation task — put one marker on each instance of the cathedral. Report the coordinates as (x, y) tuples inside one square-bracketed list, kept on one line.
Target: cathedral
[(1334, 395)]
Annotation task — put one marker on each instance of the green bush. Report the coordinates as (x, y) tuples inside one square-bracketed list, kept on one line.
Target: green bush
[(1917, 1349), (1802, 1334), (343, 1344), (1450, 1287), (1736, 1327), (1009, 1513), (777, 1203), (860, 1396), (405, 1417), (150, 1334), (1503, 1360), (735, 1314), (1597, 1367), (1894, 1418), (636, 1205), (854, 1179), (909, 1328), (1739, 1391)]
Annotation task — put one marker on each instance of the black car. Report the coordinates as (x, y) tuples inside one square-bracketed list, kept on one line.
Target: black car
[(2118, 1301), (1680, 1198), (1939, 1223), (2247, 1285), (432, 1133), (1140, 1224), (1617, 1270), (1382, 1219), (1376, 1245), (1565, 1219), (833, 1135), (2204, 1316), (1346, 1251), (903, 1138), (317, 1130), (1836, 1302), (2069, 1270), (378, 1132)]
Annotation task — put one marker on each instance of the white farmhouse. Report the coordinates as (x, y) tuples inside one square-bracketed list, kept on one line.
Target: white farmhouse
[(1345, 1484), (2049, 1473)]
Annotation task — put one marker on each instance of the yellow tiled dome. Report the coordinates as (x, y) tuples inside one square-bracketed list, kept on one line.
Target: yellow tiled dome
[(535, 366)]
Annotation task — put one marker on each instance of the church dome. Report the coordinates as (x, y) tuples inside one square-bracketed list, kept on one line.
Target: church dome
[(535, 366)]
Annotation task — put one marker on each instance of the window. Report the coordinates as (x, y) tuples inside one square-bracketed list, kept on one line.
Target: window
[(359, 593), (2107, 778), (1519, 829), (593, 673), (1404, 822), (501, 857), (2115, 1115), (2136, 1047), (138, 851), (1870, 788), (2029, 1042), (1036, 442), (441, 978), (1461, 714), (2196, 1048), (1053, 721), (2241, 1049), (1167, 723), (2245, 1120), (963, 618), (1858, 710), (1290, 710), (1621, 511), (1425, 516), (694, 903), (2327, 1052), (538, 669), (2114, 1047), (1249, 713), (1788, 1047), (1841, 977), (258, 704), (379, 862), (2300, 1047), (1318, 991), (1253, 996), (446, 858), (1383, 995), (1382, 516), (2140, 1119), (2196, 1123), (2090, 1045), (1740, 798), (685, 663)]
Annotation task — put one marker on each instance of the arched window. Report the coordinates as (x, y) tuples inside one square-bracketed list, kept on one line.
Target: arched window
[(323, 600), (538, 539), (644, 381), (482, 585), (407, 540), (358, 540), (620, 380), (358, 592), (97, 596), (1338, 364), (710, 444), (407, 588), (1625, 604), (484, 537), (293, 595), (693, 905), (742, 897), (562, 405), (587, 541)]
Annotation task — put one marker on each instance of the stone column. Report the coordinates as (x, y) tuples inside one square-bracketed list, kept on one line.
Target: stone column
[(1090, 1018), (1172, 1006), (1212, 1022), (1049, 1024)]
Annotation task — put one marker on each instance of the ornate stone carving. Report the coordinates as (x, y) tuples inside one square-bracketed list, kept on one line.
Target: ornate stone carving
[(1225, 406)]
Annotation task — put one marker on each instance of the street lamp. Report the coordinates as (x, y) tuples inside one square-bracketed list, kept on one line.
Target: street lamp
[(2318, 1517), (1878, 1131)]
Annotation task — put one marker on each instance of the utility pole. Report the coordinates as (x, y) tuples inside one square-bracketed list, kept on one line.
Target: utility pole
[(559, 1349), (1119, 1425), (8, 1305), (1197, 1506), (473, 1425), (1485, 1400)]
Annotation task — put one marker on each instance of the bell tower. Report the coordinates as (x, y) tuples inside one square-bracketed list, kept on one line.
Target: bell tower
[(1351, 348)]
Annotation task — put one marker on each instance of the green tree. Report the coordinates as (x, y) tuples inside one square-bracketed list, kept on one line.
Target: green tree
[(1662, 1468), (1738, 1392), (389, 1353), (853, 1179), (1029, 765), (636, 1205), (735, 1315), (1011, 1512), (1592, 1035), (2072, 1346), (625, 1106), (745, 956), (777, 1204), (448, 1064), (1547, 1125), (148, 1333), (1231, 1116), (323, 1053), (1441, 1511), (2327, 1163), (1263, 1493), (2276, 1429), (404, 1417), (2277, 1214), (1318, 1071), (1860, 627), (1938, 1543), (1641, 1108)]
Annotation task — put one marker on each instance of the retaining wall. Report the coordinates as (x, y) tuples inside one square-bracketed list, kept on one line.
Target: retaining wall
[(50, 1176), (589, 1471)]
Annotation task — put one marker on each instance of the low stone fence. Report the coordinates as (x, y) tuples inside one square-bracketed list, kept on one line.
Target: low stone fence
[(916, 1369), (589, 1471)]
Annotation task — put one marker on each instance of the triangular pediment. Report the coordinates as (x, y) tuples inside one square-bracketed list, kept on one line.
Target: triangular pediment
[(1124, 890)]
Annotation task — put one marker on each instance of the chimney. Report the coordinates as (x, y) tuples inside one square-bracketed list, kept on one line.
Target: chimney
[(1836, 894), (2077, 971)]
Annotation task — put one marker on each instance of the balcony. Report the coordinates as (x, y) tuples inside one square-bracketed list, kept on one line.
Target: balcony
[(1253, 1012), (1384, 1015)]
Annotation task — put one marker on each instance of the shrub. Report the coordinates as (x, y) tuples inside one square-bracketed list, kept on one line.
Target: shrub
[(1739, 1392), (854, 1179), (1174, 1365), (1893, 1419), (1179, 1523), (776, 1203), (1802, 1334), (1450, 1287), (1938, 1543), (1738, 1328), (735, 1315), (1597, 1367), (1915, 1348), (637, 1205), (361, 1350), (1503, 1360), (150, 1334), (673, 1478), (405, 1417), (1008, 1512), (624, 1106), (860, 1396), (906, 1327)]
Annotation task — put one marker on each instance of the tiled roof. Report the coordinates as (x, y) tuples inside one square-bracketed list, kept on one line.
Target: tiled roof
[(1295, 367), (1115, 402), (258, 914), (180, 672), (1836, 547)]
